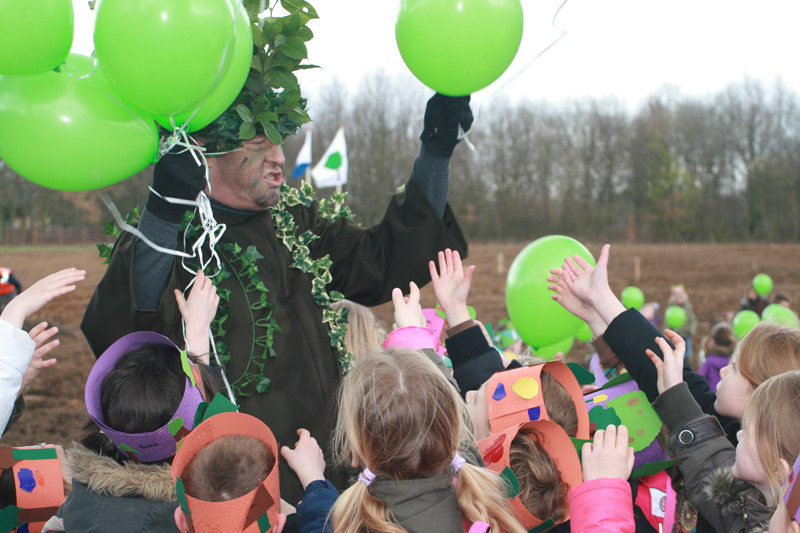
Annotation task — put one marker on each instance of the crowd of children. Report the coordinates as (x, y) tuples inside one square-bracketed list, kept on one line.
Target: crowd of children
[(440, 431)]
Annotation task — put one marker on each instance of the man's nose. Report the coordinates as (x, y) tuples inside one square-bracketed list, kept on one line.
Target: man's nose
[(275, 156)]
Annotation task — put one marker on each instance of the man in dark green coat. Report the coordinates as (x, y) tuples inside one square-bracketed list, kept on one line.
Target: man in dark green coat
[(298, 365)]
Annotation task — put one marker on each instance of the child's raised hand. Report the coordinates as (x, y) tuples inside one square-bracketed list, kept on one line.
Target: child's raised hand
[(40, 335), (451, 286), (590, 284), (307, 459), (569, 301), (198, 312), (40, 293), (609, 456), (670, 370), (407, 311)]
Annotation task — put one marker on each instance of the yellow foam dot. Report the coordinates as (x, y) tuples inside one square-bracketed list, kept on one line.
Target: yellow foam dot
[(510, 355), (526, 387), (600, 398)]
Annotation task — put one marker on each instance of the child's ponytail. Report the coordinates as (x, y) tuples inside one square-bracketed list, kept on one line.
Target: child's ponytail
[(356, 511), (480, 497)]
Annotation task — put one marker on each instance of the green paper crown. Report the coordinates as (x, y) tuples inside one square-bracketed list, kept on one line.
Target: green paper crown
[(270, 102)]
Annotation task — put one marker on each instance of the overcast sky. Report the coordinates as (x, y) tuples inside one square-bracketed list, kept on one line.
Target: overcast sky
[(622, 48)]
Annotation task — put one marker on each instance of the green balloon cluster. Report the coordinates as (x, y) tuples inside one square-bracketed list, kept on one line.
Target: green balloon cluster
[(584, 333), (762, 284), (744, 321), (35, 35), (540, 320), (780, 315), (632, 298), (675, 316), (457, 47), (549, 352)]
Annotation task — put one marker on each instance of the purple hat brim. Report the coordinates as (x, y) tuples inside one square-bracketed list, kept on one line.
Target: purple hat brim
[(148, 447)]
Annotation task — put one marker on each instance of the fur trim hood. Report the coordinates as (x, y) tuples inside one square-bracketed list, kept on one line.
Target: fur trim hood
[(726, 492), (103, 475)]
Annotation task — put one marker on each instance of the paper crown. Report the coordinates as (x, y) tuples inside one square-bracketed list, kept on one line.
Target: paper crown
[(791, 493), (436, 323), (256, 511), (415, 337), (515, 396), (39, 487), (155, 445), (496, 448), (621, 402)]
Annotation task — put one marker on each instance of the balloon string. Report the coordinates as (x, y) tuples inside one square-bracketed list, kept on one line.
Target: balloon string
[(463, 134)]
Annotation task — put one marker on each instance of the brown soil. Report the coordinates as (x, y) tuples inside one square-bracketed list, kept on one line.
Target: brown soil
[(714, 275)]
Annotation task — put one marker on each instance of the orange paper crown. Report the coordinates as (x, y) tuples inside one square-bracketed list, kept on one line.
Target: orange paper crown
[(39, 486), (515, 396), (256, 511), (496, 449)]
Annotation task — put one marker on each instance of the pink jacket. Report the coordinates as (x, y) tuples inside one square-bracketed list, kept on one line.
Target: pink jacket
[(601, 506)]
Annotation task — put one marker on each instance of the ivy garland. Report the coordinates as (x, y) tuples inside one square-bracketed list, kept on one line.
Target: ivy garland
[(242, 263)]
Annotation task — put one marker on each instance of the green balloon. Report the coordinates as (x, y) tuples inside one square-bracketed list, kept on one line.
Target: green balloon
[(632, 297), (584, 333), (762, 283), (72, 134), (540, 320), (35, 35), (229, 86), (457, 47), (744, 321), (549, 352), (778, 314), (675, 317), (165, 56)]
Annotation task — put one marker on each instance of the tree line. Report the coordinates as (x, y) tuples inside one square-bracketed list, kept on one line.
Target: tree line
[(721, 168)]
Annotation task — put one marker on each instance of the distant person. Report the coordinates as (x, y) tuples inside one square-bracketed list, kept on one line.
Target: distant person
[(753, 301), (8, 285), (719, 348), (783, 299), (650, 312), (680, 298)]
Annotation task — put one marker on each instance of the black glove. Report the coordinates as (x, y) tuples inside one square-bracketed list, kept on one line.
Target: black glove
[(442, 116), (176, 176)]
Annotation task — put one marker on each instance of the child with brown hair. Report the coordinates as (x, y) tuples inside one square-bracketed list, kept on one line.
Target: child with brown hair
[(719, 348)]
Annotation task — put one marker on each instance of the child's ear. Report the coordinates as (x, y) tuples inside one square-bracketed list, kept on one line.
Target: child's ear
[(180, 520), (281, 523), (784, 470), (794, 527)]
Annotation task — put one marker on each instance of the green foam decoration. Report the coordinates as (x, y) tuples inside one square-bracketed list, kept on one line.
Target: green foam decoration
[(622, 378), (187, 368), (578, 443), (651, 468), (181, 492), (263, 523), (126, 448), (636, 413), (175, 425), (603, 417), (544, 526), (489, 330), (512, 483), (220, 404), (470, 310), (34, 454), (198, 415), (9, 518), (583, 376)]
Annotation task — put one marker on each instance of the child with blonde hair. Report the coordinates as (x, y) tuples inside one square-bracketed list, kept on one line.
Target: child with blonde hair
[(364, 330)]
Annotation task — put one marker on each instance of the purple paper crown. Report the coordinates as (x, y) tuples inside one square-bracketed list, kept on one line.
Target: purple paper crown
[(144, 447), (791, 492)]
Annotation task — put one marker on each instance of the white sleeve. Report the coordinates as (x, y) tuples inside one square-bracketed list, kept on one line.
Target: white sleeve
[(16, 352)]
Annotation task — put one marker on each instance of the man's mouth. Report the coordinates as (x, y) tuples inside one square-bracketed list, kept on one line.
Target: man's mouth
[(274, 177)]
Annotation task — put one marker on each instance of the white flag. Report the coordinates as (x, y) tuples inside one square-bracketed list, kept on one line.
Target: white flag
[(332, 168), (304, 157)]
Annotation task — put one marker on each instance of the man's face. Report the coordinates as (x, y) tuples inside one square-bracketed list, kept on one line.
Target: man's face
[(249, 178)]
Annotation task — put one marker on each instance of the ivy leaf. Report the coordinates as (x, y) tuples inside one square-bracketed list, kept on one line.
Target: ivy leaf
[(244, 114), (247, 131), (283, 78), (272, 134)]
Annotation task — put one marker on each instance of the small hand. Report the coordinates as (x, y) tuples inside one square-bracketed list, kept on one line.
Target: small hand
[(569, 301), (40, 293), (407, 311), (198, 312), (609, 456), (307, 459), (40, 335), (590, 284), (670, 370), (451, 286)]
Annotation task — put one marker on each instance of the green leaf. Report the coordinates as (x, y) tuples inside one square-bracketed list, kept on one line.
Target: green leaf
[(268, 32), (258, 36), (92, 3), (267, 116), (247, 131), (294, 6), (305, 67), (295, 48), (293, 25), (299, 116), (281, 77), (583, 376), (272, 134), (512, 483), (244, 113), (279, 40), (262, 387), (305, 34)]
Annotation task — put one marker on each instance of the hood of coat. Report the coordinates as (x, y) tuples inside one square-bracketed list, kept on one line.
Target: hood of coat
[(422, 505), (103, 475), (726, 491)]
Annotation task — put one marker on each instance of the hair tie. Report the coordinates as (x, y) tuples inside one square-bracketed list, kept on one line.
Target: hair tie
[(457, 462), (366, 477)]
